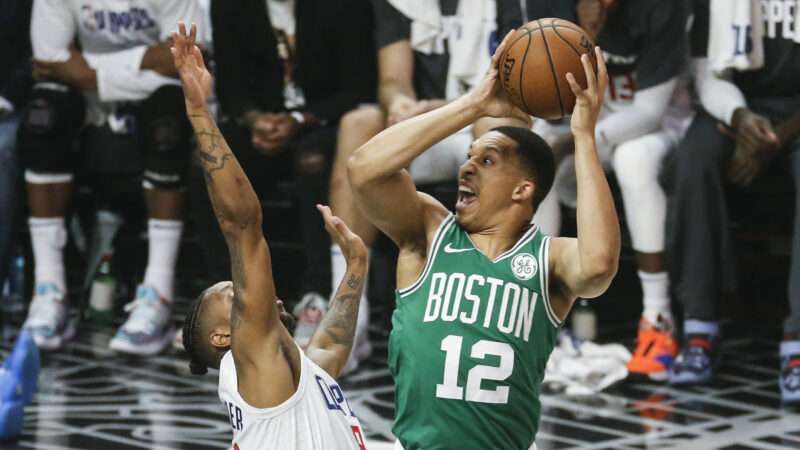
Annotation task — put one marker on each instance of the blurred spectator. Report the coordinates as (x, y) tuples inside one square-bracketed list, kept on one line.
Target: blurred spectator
[(15, 81), (428, 53), (285, 90), (119, 84), (747, 63), (645, 47)]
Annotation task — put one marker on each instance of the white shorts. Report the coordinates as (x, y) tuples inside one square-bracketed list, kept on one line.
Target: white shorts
[(442, 161)]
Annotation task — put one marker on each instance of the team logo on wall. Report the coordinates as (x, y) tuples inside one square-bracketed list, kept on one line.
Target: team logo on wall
[(524, 266)]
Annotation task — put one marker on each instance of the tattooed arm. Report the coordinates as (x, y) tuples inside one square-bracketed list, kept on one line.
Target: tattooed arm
[(330, 346), (258, 340)]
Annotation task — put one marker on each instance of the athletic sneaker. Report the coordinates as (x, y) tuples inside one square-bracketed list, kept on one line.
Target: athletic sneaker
[(309, 312), (697, 360), (790, 372), (655, 349), (149, 328), (48, 317)]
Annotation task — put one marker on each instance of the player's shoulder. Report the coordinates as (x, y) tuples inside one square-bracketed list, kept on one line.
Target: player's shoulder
[(433, 212)]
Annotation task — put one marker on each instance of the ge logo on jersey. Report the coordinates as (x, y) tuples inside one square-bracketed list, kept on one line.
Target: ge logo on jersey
[(524, 266)]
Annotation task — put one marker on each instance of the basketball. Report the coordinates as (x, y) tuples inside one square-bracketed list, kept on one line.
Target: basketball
[(535, 63)]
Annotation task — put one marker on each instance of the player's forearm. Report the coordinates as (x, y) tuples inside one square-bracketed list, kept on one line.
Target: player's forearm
[(393, 149), (337, 330), (159, 59), (235, 203), (598, 226)]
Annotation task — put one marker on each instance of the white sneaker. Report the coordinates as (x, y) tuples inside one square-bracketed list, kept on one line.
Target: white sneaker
[(149, 328), (48, 318), (309, 313)]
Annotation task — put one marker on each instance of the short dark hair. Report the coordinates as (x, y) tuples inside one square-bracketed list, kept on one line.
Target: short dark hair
[(199, 360), (535, 157)]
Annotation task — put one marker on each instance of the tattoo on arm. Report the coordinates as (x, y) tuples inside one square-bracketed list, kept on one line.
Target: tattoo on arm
[(340, 321), (354, 281), (212, 153)]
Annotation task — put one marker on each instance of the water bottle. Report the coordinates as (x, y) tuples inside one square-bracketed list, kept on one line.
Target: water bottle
[(101, 298), (584, 321), (14, 287)]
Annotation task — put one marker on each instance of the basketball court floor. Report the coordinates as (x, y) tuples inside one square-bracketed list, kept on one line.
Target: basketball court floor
[(90, 398)]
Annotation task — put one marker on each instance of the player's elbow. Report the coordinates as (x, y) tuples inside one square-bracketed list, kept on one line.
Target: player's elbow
[(598, 275), (240, 219), (358, 169)]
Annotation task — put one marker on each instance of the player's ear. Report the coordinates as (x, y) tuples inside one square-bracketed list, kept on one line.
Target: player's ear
[(220, 337), (523, 191)]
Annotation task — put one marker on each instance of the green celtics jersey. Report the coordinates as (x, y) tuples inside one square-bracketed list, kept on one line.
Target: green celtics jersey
[(469, 345)]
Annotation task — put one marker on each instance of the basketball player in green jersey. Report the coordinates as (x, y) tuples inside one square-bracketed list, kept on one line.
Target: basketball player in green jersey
[(482, 293)]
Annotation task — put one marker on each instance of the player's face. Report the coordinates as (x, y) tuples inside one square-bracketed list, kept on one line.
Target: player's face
[(486, 181)]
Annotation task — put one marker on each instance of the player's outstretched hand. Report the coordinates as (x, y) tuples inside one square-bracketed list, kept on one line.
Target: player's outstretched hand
[(489, 93), (589, 101), (352, 246), (192, 69)]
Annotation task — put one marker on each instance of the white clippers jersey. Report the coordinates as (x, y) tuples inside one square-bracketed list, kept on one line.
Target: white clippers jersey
[(113, 36), (316, 416)]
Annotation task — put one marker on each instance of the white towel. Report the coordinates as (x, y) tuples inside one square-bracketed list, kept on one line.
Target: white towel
[(468, 35), (470, 45), (733, 22), (584, 368)]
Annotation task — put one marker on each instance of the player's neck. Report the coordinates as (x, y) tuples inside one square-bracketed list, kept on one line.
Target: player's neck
[(498, 239)]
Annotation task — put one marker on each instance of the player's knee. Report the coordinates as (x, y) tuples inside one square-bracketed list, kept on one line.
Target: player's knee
[(365, 119), (48, 129), (635, 164), (166, 139)]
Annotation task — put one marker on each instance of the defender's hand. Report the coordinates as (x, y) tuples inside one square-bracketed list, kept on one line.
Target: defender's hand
[(352, 246), (589, 101), (489, 94), (192, 69)]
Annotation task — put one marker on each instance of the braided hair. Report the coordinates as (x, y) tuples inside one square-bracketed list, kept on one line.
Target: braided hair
[(191, 337)]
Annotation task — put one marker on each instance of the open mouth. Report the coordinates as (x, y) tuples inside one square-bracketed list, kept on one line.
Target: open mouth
[(466, 197)]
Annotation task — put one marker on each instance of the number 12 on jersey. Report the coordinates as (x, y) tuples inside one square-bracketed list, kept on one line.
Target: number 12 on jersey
[(449, 387)]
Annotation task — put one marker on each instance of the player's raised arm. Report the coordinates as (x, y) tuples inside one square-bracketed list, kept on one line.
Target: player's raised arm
[(254, 315), (384, 188), (331, 344), (584, 267)]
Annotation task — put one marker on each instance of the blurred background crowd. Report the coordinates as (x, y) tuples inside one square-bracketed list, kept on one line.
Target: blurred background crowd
[(104, 218)]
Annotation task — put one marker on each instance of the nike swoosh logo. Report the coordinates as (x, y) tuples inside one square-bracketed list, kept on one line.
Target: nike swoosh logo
[(449, 249)]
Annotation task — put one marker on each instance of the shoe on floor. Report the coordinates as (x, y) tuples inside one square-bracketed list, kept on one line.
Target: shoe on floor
[(148, 330), (696, 362), (48, 318), (790, 372), (309, 312), (655, 349)]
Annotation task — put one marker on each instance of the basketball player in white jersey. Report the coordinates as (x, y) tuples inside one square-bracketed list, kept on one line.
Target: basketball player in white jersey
[(277, 396)]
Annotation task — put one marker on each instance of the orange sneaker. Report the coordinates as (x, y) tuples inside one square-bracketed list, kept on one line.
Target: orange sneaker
[(655, 349)]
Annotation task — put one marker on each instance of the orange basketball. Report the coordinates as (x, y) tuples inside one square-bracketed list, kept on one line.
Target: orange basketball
[(535, 63)]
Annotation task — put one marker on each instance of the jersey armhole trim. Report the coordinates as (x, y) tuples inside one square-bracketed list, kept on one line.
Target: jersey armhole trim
[(437, 241), (273, 411), (544, 281)]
